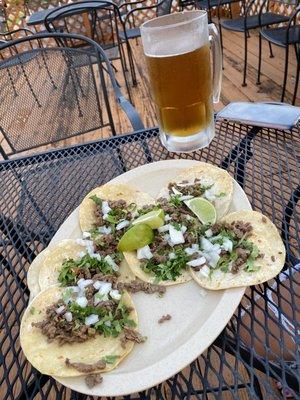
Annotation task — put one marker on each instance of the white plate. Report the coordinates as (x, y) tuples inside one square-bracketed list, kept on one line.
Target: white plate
[(198, 315)]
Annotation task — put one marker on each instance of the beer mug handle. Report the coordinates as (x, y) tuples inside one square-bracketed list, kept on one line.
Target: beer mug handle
[(214, 40)]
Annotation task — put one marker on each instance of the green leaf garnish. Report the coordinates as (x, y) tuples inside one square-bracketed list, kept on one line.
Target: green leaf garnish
[(96, 199), (175, 200), (110, 359), (71, 268), (169, 270)]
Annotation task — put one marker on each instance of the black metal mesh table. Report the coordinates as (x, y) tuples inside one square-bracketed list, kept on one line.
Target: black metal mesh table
[(259, 346)]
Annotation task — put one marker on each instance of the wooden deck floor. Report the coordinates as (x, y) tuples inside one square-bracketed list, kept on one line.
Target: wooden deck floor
[(232, 90)]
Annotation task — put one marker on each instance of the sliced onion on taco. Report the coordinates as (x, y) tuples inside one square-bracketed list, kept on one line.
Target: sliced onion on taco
[(242, 249), (79, 330), (203, 180)]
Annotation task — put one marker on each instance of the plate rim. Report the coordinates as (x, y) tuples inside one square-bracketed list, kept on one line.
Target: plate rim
[(171, 364)]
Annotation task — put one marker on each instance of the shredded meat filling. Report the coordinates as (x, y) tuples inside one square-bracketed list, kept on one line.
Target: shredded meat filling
[(131, 335), (55, 327), (93, 380), (85, 368), (164, 318), (140, 286)]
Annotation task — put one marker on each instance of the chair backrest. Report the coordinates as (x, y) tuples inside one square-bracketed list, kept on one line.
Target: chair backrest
[(164, 7), (136, 16), (59, 92), (98, 20)]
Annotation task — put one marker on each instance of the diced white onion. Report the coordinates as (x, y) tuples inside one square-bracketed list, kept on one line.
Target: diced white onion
[(115, 294), (105, 207), (163, 228), (82, 301), (68, 316), (81, 254), (107, 323), (111, 262), (96, 256), (86, 235), (99, 297), (205, 271), (206, 244), (60, 310), (209, 233), (183, 229), (105, 288), (176, 237), (104, 230), (122, 225), (186, 197), (181, 184), (74, 289), (97, 284), (172, 256), (227, 244), (91, 319), (190, 250), (197, 262), (83, 283), (167, 218), (175, 191), (144, 252), (209, 195)]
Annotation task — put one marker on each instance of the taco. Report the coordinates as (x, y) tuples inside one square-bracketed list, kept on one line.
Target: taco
[(243, 249), (80, 330), (164, 259), (109, 206), (33, 273), (203, 180), (71, 260)]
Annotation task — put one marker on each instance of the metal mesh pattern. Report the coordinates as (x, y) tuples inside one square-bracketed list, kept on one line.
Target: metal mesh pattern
[(47, 95), (261, 342)]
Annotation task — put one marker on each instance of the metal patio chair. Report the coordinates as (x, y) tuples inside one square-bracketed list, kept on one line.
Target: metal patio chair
[(136, 15), (54, 100), (248, 21), (100, 21), (284, 36), (207, 5)]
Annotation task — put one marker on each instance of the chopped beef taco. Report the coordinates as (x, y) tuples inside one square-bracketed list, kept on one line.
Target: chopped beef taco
[(71, 260), (203, 180), (110, 207), (243, 249), (164, 260), (79, 330)]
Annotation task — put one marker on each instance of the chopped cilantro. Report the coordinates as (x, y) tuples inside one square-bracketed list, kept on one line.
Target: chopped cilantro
[(220, 195), (169, 270), (175, 200), (71, 268), (96, 200), (206, 187), (176, 225), (111, 323), (110, 359)]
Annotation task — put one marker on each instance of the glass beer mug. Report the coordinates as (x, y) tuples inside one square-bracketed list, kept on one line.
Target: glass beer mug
[(177, 49)]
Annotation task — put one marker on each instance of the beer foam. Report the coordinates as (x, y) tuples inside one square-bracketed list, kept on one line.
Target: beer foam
[(177, 39)]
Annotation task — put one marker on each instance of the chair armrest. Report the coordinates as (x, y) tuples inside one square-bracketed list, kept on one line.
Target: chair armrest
[(131, 113), (293, 18), (10, 33)]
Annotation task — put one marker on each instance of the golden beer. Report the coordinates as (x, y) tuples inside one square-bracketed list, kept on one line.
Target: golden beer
[(182, 91)]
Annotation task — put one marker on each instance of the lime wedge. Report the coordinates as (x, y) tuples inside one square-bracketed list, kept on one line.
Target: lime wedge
[(136, 237), (154, 219), (204, 210)]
